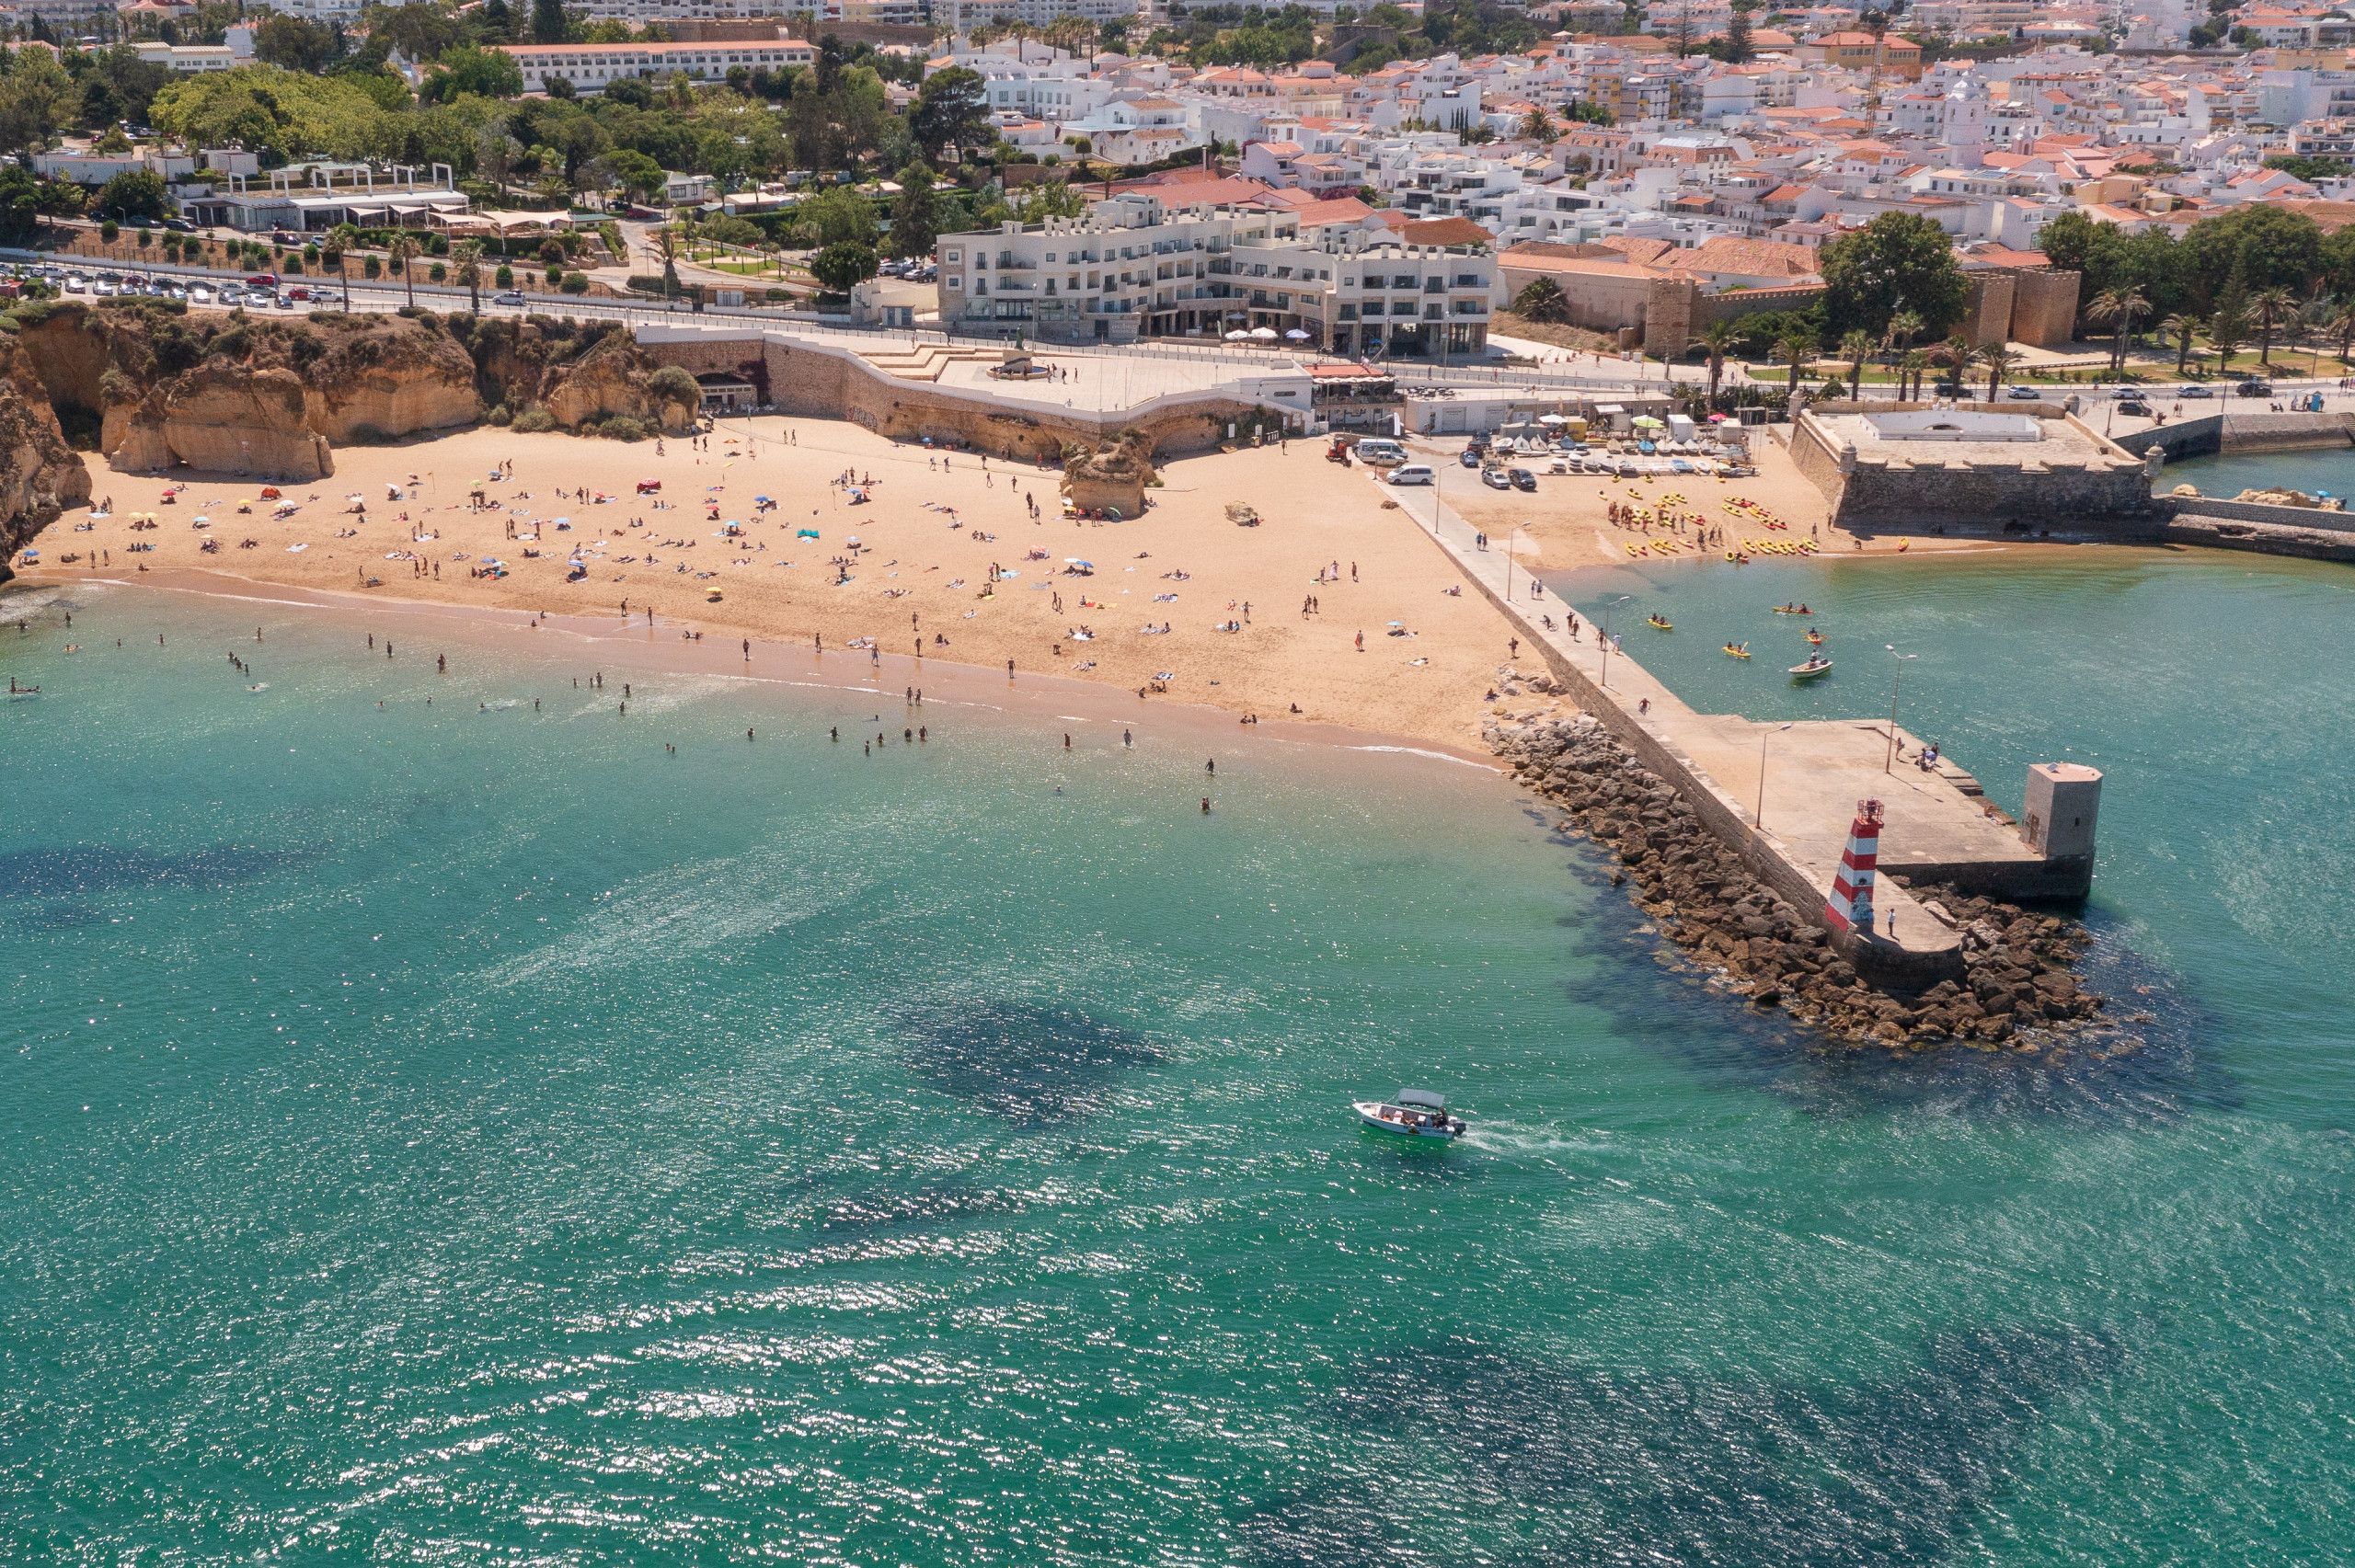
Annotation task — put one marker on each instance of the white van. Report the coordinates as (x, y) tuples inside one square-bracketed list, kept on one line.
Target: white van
[(1380, 450), (1411, 473)]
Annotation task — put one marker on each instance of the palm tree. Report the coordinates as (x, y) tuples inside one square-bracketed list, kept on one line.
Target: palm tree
[(668, 247), (1717, 337), (1903, 328), (2181, 328), (1794, 351), (2343, 326), (1956, 354), (2122, 305), (1538, 126), (1910, 369), (1999, 359), (2271, 305), (404, 249), (465, 261), (1853, 349)]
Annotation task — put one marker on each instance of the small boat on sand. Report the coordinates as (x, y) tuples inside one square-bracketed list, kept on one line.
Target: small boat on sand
[(1417, 1113), (1815, 666)]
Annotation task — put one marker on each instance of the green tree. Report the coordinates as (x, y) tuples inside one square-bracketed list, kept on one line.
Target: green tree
[(1538, 126), (916, 212), (839, 267), (2268, 245), (1739, 49), (295, 43), (635, 172), (842, 216), (951, 107), (37, 100), (1899, 262), (485, 73), (549, 24), (134, 194)]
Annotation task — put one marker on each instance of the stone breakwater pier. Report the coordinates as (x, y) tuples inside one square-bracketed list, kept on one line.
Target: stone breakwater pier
[(2013, 983), (1780, 798)]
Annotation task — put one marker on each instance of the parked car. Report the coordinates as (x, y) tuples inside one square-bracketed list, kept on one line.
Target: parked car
[(298, 293), (1523, 479), (511, 297), (2192, 389), (2254, 389), (200, 295), (179, 225), (2025, 394), (1946, 389), (1469, 457), (262, 281), (1412, 474), (2136, 409), (1494, 478)]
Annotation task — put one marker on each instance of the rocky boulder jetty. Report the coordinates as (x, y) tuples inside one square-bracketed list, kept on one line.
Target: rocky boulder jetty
[(2018, 991)]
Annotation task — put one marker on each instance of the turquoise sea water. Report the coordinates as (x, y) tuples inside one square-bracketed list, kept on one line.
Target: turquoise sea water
[(2330, 471), (475, 1135)]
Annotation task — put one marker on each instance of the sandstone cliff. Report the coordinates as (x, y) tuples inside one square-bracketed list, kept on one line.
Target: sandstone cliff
[(578, 375), (40, 474), (240, 395)]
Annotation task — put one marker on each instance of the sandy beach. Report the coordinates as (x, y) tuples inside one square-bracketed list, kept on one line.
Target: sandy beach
[(926, 538)]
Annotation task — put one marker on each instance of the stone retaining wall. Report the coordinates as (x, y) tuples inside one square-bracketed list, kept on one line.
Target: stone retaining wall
[(809, 382)]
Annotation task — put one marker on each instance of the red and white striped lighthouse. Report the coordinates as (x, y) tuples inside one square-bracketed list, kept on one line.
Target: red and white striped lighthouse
[(1850, 904)]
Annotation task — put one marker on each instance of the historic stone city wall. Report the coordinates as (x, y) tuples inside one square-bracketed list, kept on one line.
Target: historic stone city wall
[(2094, 482)]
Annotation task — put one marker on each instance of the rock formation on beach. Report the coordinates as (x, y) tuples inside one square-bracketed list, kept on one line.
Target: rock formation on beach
[(40, 474), (1112, 476), (2016, 962)]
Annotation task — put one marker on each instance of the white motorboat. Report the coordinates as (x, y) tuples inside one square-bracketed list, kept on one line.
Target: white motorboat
[(1417, 1113)]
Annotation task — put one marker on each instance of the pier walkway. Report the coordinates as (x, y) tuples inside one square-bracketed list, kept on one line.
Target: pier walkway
[(1782, 795)]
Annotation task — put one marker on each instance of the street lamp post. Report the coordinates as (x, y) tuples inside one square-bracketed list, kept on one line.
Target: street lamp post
[(1509, 542), (1888, 760), (1603, 679), (1758, 818)]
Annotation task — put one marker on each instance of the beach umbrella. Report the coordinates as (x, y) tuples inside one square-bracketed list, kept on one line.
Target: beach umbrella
[(1264, 334), (1237, 335), (1297, 336), (1648, 422)]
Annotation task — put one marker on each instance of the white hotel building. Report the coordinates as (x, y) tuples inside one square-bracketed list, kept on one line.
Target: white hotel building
[(1135, 267), (589, 66)]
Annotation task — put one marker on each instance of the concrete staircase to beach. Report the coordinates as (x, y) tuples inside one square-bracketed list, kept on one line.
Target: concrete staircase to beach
[(926, 360)]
